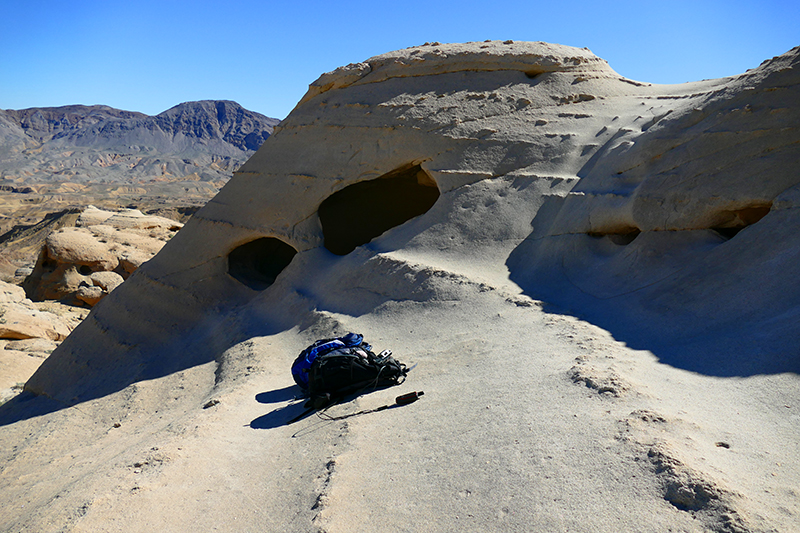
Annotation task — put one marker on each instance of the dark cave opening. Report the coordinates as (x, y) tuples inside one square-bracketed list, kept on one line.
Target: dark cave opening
[(620, 236), (258, 263), (730, 223), (362, 211)]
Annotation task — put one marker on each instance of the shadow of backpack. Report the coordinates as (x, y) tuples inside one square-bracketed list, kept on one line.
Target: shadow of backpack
[(331, 369)]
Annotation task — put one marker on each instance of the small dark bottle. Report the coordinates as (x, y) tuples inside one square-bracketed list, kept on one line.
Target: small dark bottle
[(406, 399)]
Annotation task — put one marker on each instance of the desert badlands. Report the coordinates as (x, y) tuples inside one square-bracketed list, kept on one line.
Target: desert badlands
[(595, 277)]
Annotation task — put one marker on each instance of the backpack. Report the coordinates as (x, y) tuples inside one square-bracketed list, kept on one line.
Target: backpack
[(330, 369)]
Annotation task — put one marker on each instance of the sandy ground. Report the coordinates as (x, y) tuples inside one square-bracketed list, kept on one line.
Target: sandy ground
[(531, 421)]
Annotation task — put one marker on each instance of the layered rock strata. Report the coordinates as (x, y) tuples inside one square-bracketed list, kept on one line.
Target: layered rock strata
[(80, 265), (603, 186)]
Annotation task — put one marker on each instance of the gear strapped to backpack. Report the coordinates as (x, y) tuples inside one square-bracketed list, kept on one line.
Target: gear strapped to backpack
[(330, 369)]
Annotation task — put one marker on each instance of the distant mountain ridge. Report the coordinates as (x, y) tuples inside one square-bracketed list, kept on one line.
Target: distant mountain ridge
[(56, 158), (209, 139)]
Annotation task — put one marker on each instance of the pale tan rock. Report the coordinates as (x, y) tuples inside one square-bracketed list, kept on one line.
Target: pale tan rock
[(543, 158), (90, 294), (36, 346), (130, 260), (105, 244), (11, 293), (92, 216), (135, 219), (19, 321), (78, 246), (108, 281), (8, 269), (15, 369)]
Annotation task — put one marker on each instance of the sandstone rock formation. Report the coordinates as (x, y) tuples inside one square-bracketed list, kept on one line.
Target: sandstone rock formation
[(595, 276), (29, 332), (81, 265)]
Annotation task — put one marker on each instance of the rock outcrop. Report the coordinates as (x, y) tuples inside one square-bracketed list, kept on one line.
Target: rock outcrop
[(80, 265), (604, 187), (29, 332)]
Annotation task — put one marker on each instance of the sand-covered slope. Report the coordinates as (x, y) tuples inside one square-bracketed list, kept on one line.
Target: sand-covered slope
[(594, 276)]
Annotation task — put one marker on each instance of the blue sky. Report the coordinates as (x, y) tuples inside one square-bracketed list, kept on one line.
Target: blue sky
[(150, 55)]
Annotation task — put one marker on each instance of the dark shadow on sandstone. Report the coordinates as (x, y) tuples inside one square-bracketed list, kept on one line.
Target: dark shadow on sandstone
[(101, 376), (315, 284), (278, 417), (279, 395), (699, 300)]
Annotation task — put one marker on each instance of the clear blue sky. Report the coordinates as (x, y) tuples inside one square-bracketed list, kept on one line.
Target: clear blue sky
[(149, 55)]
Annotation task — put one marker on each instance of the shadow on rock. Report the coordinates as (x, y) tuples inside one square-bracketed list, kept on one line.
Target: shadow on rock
[(279, 395), (698, 300), (26, 405), (279, 417)]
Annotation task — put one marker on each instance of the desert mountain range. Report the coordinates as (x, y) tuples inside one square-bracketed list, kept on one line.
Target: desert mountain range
[(73, 156), (594, 276)]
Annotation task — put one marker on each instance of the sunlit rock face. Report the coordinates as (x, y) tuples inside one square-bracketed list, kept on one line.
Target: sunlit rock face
[(83, 264), (665, 213)]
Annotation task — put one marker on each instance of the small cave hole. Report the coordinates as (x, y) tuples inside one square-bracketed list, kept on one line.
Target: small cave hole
[(730, 223), (258, 263), (621, 237), (728, 233), (85, 270), (365, 210)]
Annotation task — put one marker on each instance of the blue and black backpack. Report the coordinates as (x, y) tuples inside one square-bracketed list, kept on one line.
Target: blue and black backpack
[(331, 369)]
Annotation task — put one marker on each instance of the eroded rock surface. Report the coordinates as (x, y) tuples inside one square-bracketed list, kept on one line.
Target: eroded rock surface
[(81, 265), (29, 332)]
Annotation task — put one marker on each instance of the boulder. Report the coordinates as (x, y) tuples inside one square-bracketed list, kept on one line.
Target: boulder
[(107, 281), (10, 293), (23, 321), (83, 264), (36, 346), (80, 247)]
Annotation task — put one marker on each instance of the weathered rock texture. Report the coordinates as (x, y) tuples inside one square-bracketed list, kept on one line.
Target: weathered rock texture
[(606, 188), (426, 195), (80, 265), (29, 332)]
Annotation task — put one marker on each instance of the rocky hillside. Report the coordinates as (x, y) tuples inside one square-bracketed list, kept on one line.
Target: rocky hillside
[(72, 156), (88, 142)]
